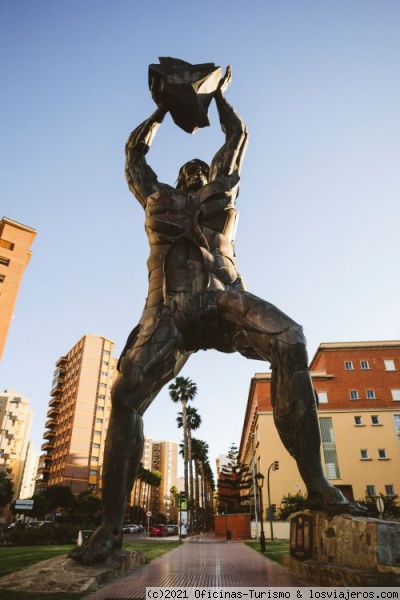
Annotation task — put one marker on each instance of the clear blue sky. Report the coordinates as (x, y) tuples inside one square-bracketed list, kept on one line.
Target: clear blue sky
[(318, 85)]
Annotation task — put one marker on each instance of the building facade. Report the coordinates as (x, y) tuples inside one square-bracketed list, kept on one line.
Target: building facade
[(78, 416), (358, 387), (160, 456), (15, 426), (15, 243)]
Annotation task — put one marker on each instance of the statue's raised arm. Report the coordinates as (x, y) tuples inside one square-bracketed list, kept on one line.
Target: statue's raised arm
[(142, 180), (229, 157)]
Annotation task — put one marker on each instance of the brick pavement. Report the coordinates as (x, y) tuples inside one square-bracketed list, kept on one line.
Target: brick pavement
[(203, 561)]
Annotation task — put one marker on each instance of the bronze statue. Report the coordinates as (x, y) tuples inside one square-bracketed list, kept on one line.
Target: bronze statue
[(197, 301)]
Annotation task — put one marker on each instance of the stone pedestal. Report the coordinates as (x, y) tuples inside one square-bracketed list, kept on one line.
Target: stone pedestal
[(345, 550), (62, 574)]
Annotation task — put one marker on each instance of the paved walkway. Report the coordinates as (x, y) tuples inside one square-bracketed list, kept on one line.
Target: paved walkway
[(203, 561)]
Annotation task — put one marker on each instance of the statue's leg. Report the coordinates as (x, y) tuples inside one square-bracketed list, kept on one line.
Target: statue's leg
[(154, 359), (259, 330)]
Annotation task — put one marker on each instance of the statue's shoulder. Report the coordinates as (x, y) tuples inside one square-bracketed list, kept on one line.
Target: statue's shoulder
[(223, 185)]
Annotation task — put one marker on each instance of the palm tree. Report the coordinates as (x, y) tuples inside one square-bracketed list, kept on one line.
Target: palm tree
[(200, 456), (182, 390), (193, 422)]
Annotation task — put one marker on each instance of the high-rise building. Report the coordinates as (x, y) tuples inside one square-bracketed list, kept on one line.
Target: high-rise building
[(15, 243), (29, 474), (358, 387), (162, 457), (165, 460), (78, 416), (15, 425)]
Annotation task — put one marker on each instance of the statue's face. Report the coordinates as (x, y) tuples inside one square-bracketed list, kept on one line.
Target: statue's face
[(195, 175)]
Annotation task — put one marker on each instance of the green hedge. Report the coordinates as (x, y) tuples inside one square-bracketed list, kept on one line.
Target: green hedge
[(60, 534)]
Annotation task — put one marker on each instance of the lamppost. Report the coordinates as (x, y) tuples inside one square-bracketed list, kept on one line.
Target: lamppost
[(274, 466), (260, 481)]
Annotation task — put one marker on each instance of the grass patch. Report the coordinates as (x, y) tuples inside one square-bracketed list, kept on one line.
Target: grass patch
[(14, 558), (274, 549)]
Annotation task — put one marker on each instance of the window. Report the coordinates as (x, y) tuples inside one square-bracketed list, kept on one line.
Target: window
[(371, 395), (382, 454), (358, 421), (2, 278), (329, 448), (6, 244), (95, 446), (322, 397), (104, 373), (348, 365), (395, 395), (389, 490), (364, 454), (364, 365), (397, 425), (389, 365), (354, 395), (375, 420), (4, 261), (371, 491)]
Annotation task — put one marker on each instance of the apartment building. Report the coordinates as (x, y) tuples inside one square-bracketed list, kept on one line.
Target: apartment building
[(165, 460), (15, 425), (161, 456), (78, 416), (358, 387), (15, 243)]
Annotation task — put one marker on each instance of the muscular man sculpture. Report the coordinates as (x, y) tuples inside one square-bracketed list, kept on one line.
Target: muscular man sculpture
[(197, 301)]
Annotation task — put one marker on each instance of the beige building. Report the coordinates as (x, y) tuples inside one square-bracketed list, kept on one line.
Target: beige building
[(161, 456), (358, 386), (78, 416), (15, 243), (15, 425), (165, 460)]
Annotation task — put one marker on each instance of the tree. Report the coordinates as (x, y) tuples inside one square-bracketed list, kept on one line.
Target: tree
[(200, 457), (60, 496), (290, 504), (88, 507), (40, 508), (193, 422), (234, 484), (391, 508), (6, 490), (183, 390)]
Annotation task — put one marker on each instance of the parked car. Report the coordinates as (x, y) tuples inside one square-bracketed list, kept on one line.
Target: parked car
[(157, 531), (172, 529), (131, 528)]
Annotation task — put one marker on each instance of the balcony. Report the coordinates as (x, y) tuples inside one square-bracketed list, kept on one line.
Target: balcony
[(46, 446), (50, 423), (53, 411), (56, 400), (50, 434), (57, 387)]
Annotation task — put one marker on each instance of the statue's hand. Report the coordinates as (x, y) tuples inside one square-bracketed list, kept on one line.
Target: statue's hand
[(226, 80)]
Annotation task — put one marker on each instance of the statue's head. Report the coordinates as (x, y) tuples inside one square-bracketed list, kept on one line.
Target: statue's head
[(193, 175)]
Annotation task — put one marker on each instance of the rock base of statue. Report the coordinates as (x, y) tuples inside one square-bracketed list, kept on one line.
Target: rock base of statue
[(344, 550), (184, 89), (62, 574)]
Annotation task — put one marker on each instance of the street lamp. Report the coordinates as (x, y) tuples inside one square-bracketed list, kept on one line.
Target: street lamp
[(274, 466), (260, 481)]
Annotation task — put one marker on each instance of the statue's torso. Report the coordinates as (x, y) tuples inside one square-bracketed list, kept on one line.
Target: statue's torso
[(191, 238)]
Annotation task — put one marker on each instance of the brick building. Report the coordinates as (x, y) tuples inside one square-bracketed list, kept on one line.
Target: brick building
[(358, 386)]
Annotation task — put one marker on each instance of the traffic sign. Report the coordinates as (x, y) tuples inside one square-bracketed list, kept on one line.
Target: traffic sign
[(149, 513)]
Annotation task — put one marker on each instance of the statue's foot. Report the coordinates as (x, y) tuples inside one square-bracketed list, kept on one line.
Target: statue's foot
[(331, 500), (98, 546)]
